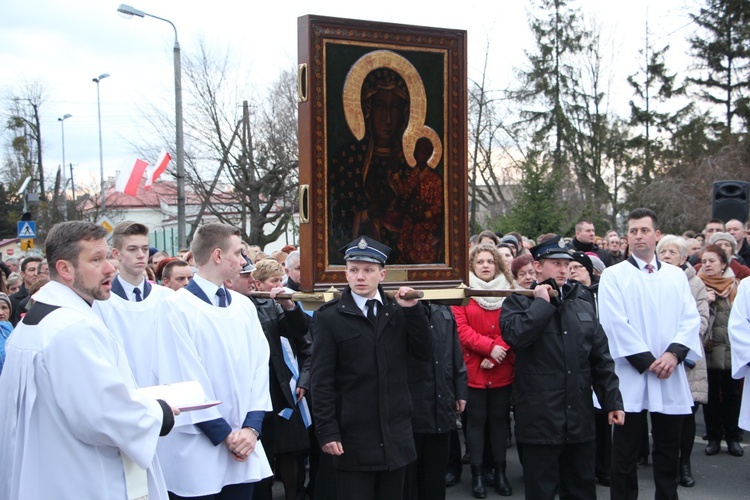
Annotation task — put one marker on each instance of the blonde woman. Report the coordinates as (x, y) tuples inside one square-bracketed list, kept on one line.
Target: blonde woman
[(489, 365)]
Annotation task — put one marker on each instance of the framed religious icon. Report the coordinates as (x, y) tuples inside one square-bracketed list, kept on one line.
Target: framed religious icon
[(383, 149)]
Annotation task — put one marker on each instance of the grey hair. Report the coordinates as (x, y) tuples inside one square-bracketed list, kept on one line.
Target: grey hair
[(677, 241)]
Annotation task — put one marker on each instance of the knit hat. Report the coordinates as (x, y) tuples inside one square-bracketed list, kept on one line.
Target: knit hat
[(724, 236), (596, 262), (584, 260), (4, 298)]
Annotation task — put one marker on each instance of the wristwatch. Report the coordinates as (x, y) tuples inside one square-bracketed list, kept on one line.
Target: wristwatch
[(257, 434)]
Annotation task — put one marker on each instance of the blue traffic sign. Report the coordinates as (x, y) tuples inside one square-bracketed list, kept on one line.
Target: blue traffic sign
[(26, 229)]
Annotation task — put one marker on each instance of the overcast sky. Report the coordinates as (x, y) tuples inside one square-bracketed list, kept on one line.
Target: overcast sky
[(65, 44)]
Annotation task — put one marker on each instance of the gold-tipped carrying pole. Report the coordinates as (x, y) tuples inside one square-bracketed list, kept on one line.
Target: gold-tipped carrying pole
[(450, 296)]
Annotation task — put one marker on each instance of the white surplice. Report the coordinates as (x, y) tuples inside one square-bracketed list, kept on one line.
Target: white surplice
[(225, 350), (69, 408), (643, 312), (739, 338), (134, 325)]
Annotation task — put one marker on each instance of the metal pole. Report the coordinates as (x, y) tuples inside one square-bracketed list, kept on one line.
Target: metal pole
[(62, 171), (180, 145), (72, 184), (179, 141), (101, 154)]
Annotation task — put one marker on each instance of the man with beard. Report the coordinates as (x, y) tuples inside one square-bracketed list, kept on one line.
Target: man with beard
[(74, 425)]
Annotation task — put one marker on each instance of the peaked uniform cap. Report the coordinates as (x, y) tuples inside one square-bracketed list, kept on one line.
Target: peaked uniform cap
[(366, 249), (553, 248)]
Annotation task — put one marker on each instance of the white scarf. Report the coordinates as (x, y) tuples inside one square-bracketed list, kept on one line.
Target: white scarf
[(499, 283)]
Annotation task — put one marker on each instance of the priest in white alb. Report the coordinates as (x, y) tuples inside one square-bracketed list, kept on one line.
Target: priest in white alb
[(739, 337), (652, 324), (73, 423), (212, 335)]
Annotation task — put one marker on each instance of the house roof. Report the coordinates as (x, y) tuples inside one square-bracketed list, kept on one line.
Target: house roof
[(165, 191)]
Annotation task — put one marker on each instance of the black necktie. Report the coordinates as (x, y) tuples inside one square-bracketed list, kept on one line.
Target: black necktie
[(222, 297), (137, 293), (371, 310)]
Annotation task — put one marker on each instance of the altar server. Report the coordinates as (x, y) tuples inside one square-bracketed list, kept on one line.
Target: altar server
[(73, 425), (132, 310), (652, 324), (210, 334), (739, 337)]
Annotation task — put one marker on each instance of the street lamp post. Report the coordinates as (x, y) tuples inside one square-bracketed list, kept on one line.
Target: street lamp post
[(62, 171), (129, 11), (101, 154)]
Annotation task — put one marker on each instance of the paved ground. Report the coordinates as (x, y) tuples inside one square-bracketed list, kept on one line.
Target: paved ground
[(721, 476)]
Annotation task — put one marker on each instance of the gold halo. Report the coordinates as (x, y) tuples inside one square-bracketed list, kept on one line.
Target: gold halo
[(415, 128)]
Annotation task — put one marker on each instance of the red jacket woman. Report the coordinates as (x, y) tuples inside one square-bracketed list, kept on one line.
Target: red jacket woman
[(489, 366)]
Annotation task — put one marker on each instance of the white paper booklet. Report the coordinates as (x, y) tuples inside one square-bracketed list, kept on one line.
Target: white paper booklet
[(186, 396)]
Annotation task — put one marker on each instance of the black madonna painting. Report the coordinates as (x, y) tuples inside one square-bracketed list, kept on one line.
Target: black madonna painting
[(387, 143)]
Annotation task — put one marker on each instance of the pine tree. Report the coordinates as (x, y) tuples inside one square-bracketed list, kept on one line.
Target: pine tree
[(722, 47), (548, 86), (652, 113)]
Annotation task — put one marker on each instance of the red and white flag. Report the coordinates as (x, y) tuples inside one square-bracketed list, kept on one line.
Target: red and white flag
[(130, 177), (161, 165)]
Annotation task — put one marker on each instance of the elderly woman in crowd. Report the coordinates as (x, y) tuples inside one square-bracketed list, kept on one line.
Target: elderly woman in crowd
[(489, 365), (728, 244), (523, 271), (723, 408), (676, 250), (13, 283)]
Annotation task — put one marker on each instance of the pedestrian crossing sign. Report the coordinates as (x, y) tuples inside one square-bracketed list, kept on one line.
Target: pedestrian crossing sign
[(27, 229)]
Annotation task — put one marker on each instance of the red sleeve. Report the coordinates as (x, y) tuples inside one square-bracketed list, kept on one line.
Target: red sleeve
[(472, 340)]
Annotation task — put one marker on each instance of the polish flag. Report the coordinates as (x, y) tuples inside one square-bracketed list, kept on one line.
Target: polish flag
[(130, 177), (161, 165)]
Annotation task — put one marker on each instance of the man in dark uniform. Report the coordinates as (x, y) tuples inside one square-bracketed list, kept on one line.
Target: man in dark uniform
[(561, 353), (361, 400)]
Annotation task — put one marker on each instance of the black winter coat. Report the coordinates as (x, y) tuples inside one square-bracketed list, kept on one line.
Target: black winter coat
[(436, 384), (359, 385), (561, 351), (280, 435)]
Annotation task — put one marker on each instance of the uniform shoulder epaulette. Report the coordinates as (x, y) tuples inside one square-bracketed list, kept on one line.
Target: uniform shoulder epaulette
[(329, 304)]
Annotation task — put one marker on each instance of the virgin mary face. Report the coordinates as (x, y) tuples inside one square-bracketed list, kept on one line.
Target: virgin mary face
[(387, 116)]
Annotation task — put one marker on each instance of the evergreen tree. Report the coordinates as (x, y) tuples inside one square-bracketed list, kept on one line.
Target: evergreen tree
[(722, 47), (652, 113), (548, 86), (536, 209)]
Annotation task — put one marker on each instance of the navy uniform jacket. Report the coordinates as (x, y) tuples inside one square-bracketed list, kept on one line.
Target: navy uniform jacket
[(561, 352), (360, 395)]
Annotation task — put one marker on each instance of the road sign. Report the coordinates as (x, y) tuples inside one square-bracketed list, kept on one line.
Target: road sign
[(105, 223), (27, 229), (27, 245)]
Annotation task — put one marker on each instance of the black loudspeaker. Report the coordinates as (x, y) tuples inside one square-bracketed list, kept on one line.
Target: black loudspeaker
[(731, 200)]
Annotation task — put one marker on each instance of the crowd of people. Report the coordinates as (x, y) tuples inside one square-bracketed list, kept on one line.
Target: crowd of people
[(566, 347)]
